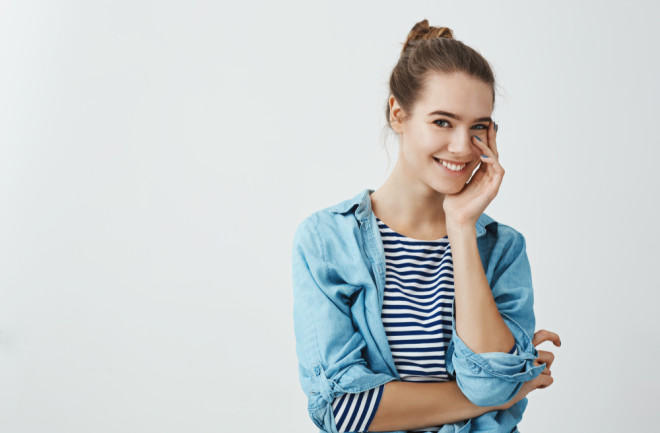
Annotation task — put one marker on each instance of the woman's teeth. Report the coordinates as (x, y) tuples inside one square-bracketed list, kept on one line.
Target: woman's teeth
[(452, 167)]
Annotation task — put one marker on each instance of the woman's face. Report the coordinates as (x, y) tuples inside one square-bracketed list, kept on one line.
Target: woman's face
[(452, 108)]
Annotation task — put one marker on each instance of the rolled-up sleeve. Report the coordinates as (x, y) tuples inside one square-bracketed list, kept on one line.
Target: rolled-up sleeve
[(494, 378), (329, 348)]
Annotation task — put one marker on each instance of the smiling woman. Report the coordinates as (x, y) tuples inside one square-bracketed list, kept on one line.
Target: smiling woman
[(428, 135), (413, 309)]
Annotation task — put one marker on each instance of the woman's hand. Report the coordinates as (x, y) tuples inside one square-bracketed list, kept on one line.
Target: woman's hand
[(545, 356), (465, 207), (544, 379)]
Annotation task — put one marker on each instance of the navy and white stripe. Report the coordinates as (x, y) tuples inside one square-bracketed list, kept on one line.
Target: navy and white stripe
[(417, 316), (354, 412)]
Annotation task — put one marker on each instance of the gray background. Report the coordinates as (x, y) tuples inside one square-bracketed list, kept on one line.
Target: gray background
[(156, 157)]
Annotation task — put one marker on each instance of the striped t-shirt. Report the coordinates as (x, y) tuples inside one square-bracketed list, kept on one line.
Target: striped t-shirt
[(416, 314)]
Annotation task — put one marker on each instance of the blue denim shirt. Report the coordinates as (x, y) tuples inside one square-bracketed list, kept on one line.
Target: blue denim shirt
[(338, 264)]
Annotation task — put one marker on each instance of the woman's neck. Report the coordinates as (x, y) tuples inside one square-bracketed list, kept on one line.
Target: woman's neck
[(413, 212)]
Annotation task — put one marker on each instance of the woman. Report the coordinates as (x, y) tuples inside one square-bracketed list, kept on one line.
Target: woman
[(413, 309)]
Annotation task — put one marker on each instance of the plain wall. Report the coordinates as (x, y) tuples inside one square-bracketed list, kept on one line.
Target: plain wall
[(156, 158)]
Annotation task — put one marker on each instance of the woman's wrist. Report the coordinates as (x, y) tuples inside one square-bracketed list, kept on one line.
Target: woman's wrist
[(458, 230)]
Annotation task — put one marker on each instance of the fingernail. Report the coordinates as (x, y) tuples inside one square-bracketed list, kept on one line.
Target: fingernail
[(477, 138), (487, 157), (495, 126)]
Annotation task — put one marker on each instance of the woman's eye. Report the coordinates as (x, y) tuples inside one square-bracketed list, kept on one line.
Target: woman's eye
[(479, 126)]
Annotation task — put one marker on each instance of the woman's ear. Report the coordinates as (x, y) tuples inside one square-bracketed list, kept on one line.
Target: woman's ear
[(396, 113)]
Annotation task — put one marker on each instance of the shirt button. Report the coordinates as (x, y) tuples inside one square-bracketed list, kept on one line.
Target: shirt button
[(317, 370)]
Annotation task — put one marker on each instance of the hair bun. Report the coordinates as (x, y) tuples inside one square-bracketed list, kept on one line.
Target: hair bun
[(422, 31)]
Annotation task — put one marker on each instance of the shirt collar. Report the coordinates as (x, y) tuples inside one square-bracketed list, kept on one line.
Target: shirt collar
[(360, 204)]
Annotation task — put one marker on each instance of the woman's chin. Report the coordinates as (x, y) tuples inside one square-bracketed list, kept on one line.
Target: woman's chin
[(448, 187)]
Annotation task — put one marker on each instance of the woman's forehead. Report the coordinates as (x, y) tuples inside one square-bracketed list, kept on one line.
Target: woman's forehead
[(456, 93)]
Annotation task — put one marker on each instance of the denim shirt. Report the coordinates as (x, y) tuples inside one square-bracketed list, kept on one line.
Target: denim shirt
[(338, 264)]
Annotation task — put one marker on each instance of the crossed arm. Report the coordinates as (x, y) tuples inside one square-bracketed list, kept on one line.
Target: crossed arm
[(485, 381), (408, 405)]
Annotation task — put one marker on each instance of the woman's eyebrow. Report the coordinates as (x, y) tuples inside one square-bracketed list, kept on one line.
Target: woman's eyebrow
[(454, 116)]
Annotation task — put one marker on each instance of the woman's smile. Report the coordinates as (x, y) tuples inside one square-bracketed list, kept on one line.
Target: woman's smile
[(449, 171)]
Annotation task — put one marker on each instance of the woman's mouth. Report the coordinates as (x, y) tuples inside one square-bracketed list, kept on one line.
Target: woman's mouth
[(454, 170)]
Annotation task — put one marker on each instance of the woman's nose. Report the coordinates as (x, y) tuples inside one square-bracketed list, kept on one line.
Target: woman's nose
[(462, 144)]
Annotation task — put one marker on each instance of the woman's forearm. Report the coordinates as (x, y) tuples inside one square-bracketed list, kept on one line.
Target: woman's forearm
[(411, 405), (478, 321)]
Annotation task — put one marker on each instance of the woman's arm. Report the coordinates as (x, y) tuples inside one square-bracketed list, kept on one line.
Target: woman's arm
[(410, 405), (478, 321), (492, 378)]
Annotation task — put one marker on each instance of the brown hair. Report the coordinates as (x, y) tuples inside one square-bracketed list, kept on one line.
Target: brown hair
[(432, 49)]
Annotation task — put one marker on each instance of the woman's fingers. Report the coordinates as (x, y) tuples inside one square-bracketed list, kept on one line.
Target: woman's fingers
[(492, 159), (546, 370), (544, 380), (543, 335), (492, 143), (485, 149), (545, 357)]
